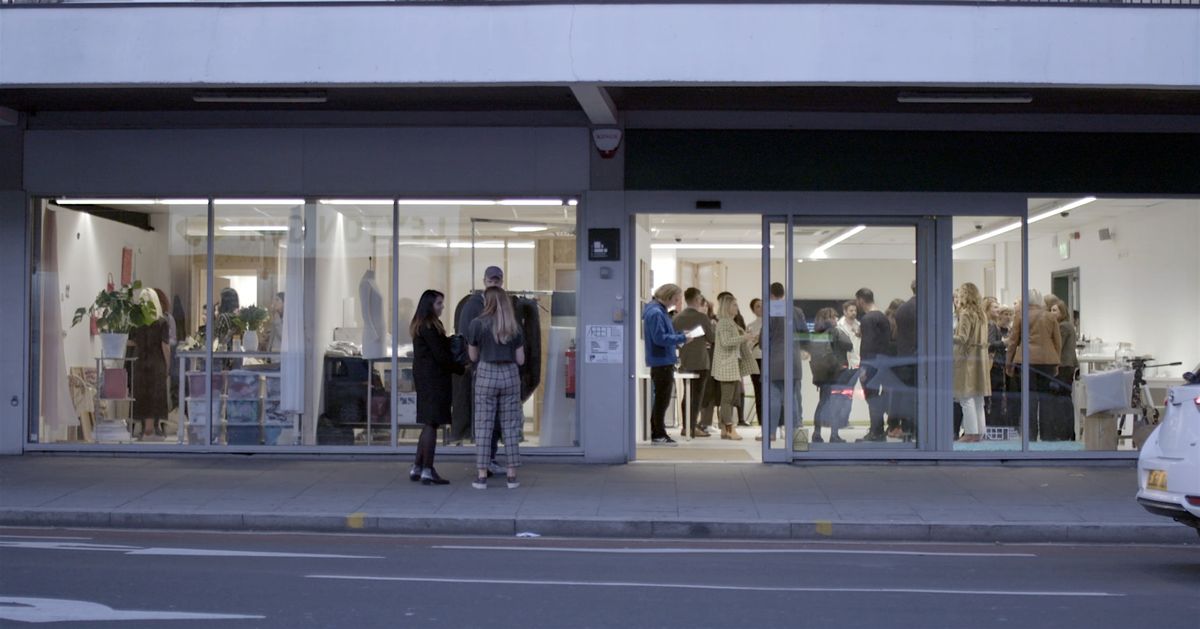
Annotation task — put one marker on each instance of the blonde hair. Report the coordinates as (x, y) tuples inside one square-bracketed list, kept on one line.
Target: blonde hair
[(667, 293), (1035, 299), (987, 307), (969, 302), (498, 306), (726, 306)]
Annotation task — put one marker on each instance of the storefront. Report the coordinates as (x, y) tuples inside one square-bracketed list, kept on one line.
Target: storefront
[(335, 232)]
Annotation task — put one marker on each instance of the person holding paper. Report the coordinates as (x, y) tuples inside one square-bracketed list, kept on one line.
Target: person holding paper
[(661, 340), (695, 357)]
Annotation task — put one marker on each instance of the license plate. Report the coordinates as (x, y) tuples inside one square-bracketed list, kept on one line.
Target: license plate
[(1157, 479)]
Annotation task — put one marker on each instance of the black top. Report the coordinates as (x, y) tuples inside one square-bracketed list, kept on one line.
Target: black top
[(433, 363), (876, 335), (479, 334), (906, 328)]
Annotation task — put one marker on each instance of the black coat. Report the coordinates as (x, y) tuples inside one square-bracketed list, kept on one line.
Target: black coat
[(433, 363)]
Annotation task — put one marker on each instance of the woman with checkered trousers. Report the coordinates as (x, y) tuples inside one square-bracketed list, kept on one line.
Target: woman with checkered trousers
[(495, 342)]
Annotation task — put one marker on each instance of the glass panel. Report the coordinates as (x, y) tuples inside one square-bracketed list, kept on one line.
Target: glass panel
[(253, 240), (1125, 270), (347, 296), (123, 266), (448, 248), (857, 373), (987, 285), (775, 351)]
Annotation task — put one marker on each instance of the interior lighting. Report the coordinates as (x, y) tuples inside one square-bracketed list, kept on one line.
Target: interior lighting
[(725, 246), (528, 229), (820, 251), (106, 201), (572, 202), (356, 201), (254, 228), (1004, 229), (446, 202), (545, 202), (258, 202)]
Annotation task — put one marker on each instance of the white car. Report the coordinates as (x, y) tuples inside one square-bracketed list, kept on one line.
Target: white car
[(1169, 464)]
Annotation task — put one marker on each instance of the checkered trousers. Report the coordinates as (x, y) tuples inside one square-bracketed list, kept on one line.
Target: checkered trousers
[(497, 398)]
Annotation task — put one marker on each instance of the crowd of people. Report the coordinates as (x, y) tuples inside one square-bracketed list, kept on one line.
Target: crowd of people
[(867, 348)]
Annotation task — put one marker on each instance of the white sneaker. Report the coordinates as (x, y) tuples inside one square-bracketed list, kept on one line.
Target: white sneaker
[(479, 483)]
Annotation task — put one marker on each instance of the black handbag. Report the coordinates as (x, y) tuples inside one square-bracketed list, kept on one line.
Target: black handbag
[(458, 349)]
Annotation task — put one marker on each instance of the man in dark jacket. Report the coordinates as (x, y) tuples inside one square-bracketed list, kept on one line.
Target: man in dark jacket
[(695, 358), (777, 330), (904, 399), (875, 353)]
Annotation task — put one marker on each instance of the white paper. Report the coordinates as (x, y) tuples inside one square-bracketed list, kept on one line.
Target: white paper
[(605, 344), (695, 332)]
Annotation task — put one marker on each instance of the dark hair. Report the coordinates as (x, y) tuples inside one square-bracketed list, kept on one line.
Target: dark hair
[(229, 301), (865, 294), (691, 294), (848, 303), (826, 315), (913, 286), (425, 314), (754, 301), (280, 296), (777, 290)]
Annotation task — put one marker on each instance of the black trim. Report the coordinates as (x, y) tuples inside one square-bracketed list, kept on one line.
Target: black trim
[(1170, 510)]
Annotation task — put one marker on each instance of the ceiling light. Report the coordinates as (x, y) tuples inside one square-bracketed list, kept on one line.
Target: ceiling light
[(528, 229), (254, 228), (356, 201), (106, 201), (521, 245), (708, 245), (966, 98), (259, 96), (547, 202), (446, 202), (829, 244), (258, 201), (572, 202), (1059, 210)]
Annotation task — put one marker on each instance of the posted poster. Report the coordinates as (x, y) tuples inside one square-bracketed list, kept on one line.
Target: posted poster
[(605, 344)]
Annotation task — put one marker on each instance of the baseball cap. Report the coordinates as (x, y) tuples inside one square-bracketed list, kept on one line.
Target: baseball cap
[(493, 272)]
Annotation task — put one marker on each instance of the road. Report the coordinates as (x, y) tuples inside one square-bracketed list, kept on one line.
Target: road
[(193, 579)]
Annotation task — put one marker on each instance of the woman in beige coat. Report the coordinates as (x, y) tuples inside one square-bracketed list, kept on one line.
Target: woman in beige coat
[(732, 360), (972, 369), (1045, 351)]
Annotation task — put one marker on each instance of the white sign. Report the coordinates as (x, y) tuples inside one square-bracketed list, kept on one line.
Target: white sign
[(605, 344)]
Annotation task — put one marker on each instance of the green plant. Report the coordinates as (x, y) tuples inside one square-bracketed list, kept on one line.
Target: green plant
[(252, 317), (120, 310)]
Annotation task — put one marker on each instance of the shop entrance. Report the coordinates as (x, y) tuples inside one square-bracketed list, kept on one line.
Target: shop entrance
[(807, 389)]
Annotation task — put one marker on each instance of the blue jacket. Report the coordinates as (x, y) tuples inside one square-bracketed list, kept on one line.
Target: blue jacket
[(660, 336)]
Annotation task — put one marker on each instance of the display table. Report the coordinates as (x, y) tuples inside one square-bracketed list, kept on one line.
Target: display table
[(241, 403)]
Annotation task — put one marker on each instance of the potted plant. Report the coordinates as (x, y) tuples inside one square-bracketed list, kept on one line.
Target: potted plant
[(251, 319), (117, 311)]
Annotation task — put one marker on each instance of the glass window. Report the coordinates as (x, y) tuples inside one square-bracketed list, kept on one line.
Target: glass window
[(115, 298), (987, 286)]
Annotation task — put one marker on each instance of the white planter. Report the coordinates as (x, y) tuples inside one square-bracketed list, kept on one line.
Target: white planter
[(112, 344), (250, 341)]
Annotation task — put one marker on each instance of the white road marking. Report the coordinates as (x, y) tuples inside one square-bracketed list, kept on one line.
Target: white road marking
[(202, 552), (731, 588), (170, 552), (732, 551), (23, 609)]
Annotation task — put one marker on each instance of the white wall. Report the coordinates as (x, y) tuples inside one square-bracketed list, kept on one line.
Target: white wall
[(1140, 287), (89, 248), (683, 43)]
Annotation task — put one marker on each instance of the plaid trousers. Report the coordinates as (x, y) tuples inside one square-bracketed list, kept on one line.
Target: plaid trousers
[(497, 390)]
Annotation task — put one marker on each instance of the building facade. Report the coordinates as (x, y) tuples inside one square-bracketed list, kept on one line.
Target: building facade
[(326, 163)]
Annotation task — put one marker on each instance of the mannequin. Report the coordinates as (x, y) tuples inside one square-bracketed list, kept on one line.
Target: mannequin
[(374, 327)]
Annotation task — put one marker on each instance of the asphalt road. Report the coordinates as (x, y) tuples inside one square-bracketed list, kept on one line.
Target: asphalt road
[(189, 579)]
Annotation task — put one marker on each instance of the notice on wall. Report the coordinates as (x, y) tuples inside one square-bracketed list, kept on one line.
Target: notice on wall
[(605, 344)]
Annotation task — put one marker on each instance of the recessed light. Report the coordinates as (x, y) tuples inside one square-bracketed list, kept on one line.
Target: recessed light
[(528, 229)]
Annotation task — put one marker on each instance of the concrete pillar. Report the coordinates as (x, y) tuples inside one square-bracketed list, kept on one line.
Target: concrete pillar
[(14, 286)]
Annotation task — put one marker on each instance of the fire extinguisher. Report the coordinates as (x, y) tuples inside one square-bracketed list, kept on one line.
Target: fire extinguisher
[(571, 370)]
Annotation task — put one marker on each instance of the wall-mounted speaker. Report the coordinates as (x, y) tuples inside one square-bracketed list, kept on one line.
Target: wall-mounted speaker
[(1106, 233)]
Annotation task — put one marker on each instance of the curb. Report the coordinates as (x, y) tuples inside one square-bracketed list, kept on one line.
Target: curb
[(1040, 532)]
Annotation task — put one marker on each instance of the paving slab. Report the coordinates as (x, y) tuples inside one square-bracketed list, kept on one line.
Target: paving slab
[(911, 502)]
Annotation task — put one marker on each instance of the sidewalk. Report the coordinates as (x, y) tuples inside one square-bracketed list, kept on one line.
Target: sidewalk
[(960, 503)]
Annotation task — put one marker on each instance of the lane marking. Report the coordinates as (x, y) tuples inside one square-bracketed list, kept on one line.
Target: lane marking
[(37, 610), (172, 552), (2, 537), (729, 588), (731, 551)]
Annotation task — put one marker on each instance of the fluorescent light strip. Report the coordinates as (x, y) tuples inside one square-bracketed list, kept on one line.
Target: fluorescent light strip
[(528, 229), (1017, 224), (820, 251), (355, 201), (446, 202), (254, 228), (258, 202), (106, 201), (546, 202), (708, 245)]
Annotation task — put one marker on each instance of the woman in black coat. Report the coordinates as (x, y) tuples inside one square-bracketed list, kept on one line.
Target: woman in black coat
[(433, 364)]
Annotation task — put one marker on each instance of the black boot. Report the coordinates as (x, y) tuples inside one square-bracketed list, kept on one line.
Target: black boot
[(430, 477)]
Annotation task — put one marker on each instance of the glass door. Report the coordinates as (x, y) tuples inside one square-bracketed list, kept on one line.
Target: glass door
[(844, 365)]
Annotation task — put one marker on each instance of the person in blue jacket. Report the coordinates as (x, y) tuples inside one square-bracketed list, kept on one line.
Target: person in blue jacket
[(661, 340)]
